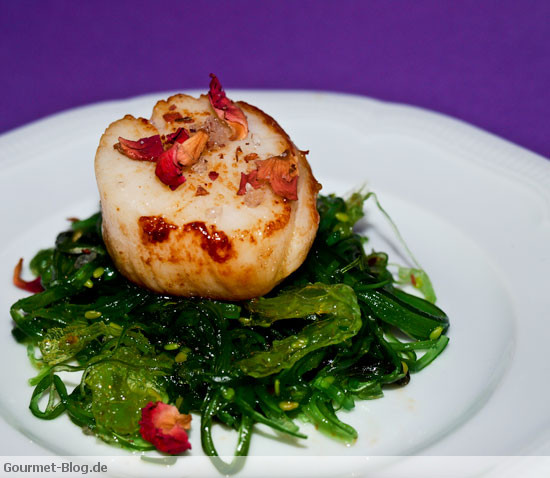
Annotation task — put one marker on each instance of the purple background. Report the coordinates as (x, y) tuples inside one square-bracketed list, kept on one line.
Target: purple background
[(486, 62)]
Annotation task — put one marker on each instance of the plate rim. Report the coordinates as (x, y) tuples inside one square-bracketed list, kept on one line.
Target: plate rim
[(501, 154)]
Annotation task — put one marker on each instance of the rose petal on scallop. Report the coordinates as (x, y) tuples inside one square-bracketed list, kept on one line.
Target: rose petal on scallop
[(178, 136), (227, 110), (144, 149), (250, 178), (282, 174), (286, 189), (189, 152), (168, 169), (165, 427)]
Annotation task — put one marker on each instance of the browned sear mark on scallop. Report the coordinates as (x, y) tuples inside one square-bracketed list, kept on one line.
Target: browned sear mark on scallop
[(279, 222), (154, 229), (214, 242)]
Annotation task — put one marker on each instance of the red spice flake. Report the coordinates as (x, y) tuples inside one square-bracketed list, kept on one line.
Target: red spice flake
[(169, 117), (164, 426), (213, 175), (144, 149), (413, 280), (178, 136), (172, 107), (33, 286), (251, 157), (227, 110), (155, 228), (201, 191), (186, 119), (214, 242), (242, 185)]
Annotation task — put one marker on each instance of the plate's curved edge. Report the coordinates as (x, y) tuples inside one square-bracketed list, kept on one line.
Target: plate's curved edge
[(475, 144), (511, 151)]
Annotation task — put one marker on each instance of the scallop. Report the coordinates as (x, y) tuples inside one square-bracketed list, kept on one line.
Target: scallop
[(212, 236)]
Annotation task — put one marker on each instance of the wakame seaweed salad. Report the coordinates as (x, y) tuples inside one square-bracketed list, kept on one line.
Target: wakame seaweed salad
[(336, 331)]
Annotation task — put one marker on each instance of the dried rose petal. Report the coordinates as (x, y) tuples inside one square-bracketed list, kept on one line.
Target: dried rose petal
[(250, 178), (282, 174), (178, 136), (33, 286), (227, 110), (190, 151), (164, 426), (168, 170), (186, 153), (213, 175), (144, 149)]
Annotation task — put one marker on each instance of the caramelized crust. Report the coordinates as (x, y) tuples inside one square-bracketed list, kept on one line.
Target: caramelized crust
[(203, 239)]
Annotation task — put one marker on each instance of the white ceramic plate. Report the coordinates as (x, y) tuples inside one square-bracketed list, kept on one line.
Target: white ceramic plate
[(475, 209)]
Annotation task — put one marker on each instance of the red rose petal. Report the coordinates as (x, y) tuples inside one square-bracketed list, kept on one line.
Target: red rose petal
[(181, 154), (227, 110), (250, 178), (282, 174), (168, 169), (144, 149), (33, 286), (178, 137), (164, 427), (285, 189)]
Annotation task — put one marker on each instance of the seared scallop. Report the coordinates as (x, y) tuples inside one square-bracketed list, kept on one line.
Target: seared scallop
[(208, 198)]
